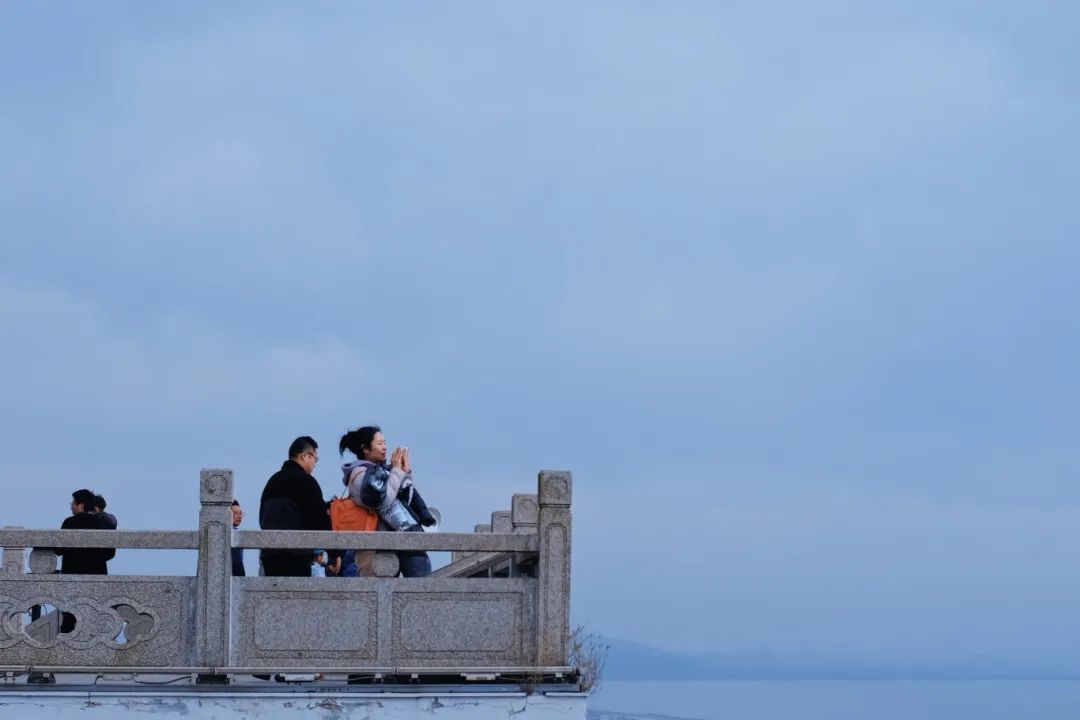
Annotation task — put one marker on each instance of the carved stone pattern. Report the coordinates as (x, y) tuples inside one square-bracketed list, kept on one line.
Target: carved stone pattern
[(216, 486), (96, 623), (98, 604), (554, 488), (7, 608)]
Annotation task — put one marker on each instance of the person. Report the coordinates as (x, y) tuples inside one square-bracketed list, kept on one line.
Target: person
[(389, 489), (86, 561), (319, 561), (237, 553), (108, 519), (293, 500)]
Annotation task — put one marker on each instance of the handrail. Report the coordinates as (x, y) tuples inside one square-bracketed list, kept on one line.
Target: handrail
[(334, 540), (271, 539), (135, 539)]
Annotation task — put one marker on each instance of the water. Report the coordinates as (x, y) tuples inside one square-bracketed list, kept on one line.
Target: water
[(840, 700)]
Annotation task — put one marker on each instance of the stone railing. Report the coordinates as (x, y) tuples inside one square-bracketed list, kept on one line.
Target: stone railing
[(502, 606)]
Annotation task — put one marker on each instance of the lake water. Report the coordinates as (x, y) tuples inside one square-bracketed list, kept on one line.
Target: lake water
[(840, 700)]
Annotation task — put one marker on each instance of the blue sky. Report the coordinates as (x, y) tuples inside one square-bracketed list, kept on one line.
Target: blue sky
[(790, 290)]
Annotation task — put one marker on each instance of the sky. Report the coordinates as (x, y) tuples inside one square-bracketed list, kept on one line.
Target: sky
[(789, 287)]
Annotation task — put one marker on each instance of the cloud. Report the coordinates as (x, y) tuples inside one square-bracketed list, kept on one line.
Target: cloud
[(812, 268), (70, 355)]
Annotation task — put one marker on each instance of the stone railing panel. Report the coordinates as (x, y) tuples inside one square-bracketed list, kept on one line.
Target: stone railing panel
[(357, 623), (96, 620), (459, 623), (286, 622)]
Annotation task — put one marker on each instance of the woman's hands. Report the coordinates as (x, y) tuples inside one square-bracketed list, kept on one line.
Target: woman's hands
[(400, 459)]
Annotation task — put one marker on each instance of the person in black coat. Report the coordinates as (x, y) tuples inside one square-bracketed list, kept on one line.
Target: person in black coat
[(107, 519), (293, 500), (85, 561)]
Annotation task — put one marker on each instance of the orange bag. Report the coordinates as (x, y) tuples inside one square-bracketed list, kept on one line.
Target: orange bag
[(347, 515)]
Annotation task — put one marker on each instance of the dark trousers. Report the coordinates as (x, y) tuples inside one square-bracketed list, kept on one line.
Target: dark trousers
[(286, 564), (414, 564)]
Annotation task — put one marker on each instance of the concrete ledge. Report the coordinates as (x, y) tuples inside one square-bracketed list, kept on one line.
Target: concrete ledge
[(465, 705), (90, 672)]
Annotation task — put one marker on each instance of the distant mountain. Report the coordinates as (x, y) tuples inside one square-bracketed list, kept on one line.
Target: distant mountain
[(628, 660)]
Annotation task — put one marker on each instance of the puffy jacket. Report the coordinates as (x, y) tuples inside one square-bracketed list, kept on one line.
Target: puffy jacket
[(390, 491)]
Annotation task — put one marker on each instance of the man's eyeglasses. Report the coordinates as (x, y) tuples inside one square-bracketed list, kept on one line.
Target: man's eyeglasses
[(314, 457)]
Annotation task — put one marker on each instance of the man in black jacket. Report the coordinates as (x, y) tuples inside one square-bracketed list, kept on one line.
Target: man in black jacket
[(293, 500), (85, 561)]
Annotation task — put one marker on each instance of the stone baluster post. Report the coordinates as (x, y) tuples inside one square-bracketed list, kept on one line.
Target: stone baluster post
[(523, 513), (42, 561), (14, 562), (553, 568), (500, 522), (214, 594), (523, 516)]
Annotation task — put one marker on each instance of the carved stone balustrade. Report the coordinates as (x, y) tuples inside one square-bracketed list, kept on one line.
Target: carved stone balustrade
[(501, 606)]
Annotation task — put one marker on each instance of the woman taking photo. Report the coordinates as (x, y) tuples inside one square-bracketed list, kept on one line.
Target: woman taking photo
[(388, 489)]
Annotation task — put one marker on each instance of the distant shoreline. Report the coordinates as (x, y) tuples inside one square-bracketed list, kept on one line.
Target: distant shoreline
[(852, 678), (629, 661)]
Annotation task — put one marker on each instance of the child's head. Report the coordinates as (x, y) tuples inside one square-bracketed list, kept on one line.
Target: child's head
[(320, 557)]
